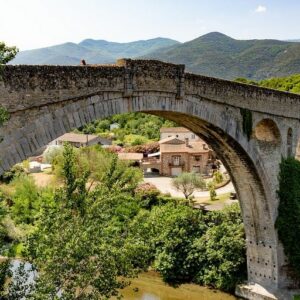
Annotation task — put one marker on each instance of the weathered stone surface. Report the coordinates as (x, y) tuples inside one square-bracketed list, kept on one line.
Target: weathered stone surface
[(47, 101)]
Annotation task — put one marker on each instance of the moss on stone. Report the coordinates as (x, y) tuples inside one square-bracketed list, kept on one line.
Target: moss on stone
[(4, 115), (247, 122), (288, 220)]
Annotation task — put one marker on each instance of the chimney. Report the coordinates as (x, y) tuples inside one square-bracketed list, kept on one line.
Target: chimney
[(187, 142)]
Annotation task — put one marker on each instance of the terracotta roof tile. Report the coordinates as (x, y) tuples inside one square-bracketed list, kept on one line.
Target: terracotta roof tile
[(77, 137), (173, 129)]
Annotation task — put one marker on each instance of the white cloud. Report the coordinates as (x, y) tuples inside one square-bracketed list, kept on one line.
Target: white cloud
[(261, 9)]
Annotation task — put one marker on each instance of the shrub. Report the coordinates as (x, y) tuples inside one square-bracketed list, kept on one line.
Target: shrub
[(13, 173), (288, 220)]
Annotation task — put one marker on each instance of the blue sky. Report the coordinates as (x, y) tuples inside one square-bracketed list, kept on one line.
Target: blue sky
[(39, 23)]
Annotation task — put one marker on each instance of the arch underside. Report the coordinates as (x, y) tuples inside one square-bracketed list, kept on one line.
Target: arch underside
[(219, 125)]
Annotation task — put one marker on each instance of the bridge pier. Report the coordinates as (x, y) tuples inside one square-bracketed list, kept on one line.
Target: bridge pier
[(257, 292)]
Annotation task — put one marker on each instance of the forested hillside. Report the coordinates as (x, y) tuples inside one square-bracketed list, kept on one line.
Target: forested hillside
[(214, 54), (288, 84), (93, 51), (218, 55), (134, 128)]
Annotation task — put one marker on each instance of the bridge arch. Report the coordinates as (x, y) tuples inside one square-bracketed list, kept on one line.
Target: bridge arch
[(50, 101)]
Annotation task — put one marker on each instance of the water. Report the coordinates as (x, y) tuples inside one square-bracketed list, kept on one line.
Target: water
[(149, 286)]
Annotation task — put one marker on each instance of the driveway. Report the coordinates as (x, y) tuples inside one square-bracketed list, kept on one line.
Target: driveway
[(164, 184)]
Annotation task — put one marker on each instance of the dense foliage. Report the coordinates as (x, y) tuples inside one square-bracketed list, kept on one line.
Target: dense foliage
[(287, 84), (14, 172), (134, 128), (215, 54), (100, 227), (7, 53), (187, 246), (288, 221), (247, 122)]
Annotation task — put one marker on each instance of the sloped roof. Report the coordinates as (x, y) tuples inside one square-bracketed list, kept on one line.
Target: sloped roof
[(192, 147), (78, 138), (172, 140), (173, 129)]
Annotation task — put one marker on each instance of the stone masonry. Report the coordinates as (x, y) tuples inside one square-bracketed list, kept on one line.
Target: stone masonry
[(47, 101)]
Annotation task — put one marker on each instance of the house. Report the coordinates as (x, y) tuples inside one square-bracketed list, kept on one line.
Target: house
[(178, 132), (180, 151), (80, 140), (179, 156)]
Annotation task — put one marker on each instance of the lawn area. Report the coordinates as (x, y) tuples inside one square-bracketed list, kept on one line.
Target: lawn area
[(220, 199)]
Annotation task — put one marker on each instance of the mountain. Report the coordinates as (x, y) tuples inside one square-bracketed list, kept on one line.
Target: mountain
[(218, 55), (93, 51), (295, 40), (214, 54)]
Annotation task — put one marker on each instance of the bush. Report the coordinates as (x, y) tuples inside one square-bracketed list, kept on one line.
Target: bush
[(13, 173), (51, 154), (147, 194), (135, 139), (221, 251), (288, 220)]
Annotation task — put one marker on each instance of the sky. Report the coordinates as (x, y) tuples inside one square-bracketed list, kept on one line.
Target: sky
[(30, 24)]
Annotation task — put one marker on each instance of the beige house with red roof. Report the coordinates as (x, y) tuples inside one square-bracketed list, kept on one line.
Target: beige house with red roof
[(181, 151)]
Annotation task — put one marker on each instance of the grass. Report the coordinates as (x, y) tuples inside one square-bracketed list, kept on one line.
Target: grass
[(297, 297), (220, 199)]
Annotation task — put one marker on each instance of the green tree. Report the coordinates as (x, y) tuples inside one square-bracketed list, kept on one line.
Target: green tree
[(79, 246), (212, 191), (25, 200), (218, 177), (7, 53), (221, 251), (187, 183)]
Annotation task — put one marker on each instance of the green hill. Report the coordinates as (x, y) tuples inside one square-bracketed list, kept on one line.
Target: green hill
[(218, 55), (93, 51), (288, 84), (213, 54)]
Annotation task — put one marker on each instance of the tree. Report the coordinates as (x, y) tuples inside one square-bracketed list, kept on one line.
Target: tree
[(187, 183), (218, 177), (26, 200), (212, 191), (79, 245), (221, 251), (7, 53)]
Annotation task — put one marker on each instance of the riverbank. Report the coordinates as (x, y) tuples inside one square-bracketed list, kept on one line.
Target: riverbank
[(149, 286)]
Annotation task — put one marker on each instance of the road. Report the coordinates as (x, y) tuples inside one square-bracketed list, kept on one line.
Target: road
[(164, 184)]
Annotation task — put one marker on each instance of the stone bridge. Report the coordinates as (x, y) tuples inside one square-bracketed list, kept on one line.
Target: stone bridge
[(45, 102)]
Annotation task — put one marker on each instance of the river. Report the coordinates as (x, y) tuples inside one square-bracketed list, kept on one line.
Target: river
[(149, 286)]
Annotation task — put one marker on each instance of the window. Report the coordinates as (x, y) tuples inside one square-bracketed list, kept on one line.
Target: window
[(176, 160), (198, 157), (176, 135), (193, 136)]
